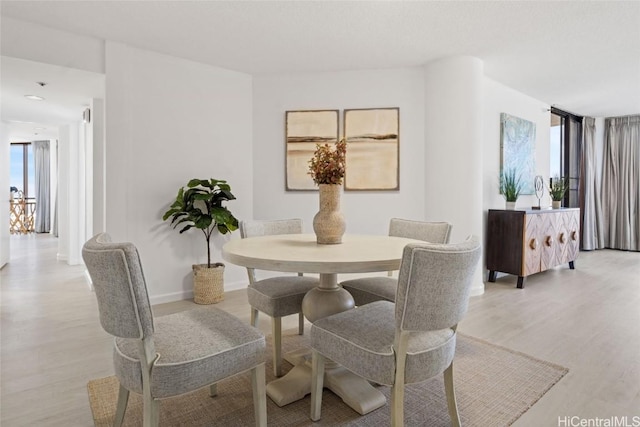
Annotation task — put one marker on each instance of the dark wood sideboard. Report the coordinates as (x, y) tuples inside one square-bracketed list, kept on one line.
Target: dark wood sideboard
[(525, 242)]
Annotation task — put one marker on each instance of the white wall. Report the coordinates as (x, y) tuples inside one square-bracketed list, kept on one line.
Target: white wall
[(370, 212), (5, 152), (502, 99), (21, 39), (97, 187), (365, 212), (160, 110), (454, 98), (53, 181), (169, 120)]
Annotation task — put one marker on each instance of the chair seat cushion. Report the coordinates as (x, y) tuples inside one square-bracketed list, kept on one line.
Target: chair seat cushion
[(195, 348), (362, 341), (280, 296), (370, 289)]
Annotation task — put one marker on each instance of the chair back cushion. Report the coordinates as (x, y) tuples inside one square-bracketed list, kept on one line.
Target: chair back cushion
[(434, 284), (267, 228), (433, 232), (118, 280)]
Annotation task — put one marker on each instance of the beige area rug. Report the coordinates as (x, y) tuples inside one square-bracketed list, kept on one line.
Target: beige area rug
[(494, 387)]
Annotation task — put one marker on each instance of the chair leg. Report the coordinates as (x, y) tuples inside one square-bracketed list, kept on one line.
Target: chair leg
[(397, 391), (300, 323), (151, 412), (254, 317), (276, 333), (317, 383), (123, 398), (451, 396), (259, 395), (397, 405), (213, 390)]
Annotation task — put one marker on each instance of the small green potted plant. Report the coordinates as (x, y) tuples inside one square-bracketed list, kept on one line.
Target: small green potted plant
[(557, 190), (200, 205), (510, 187)]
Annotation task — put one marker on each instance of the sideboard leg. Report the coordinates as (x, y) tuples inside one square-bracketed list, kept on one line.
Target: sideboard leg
[(571, 266), (492, 275), (520, 282)]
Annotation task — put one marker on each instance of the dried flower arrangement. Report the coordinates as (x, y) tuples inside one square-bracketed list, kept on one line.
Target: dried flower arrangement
[(327, 166)]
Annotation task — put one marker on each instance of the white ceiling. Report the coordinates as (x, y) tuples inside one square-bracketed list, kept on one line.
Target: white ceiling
[(67, 93), (583, 57)]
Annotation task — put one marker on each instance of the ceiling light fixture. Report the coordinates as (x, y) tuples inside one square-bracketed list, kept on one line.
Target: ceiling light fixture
[(34, 97), (20, 121)]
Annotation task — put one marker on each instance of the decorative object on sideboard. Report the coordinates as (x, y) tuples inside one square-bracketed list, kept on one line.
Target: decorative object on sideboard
[(510, 187), (538, 183), (200, 205), (326, 168), (557, 189)]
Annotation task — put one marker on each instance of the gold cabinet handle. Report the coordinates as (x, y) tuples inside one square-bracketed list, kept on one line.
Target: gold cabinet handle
[(562, 238), (549, 241), (574, 235), (533, 244)]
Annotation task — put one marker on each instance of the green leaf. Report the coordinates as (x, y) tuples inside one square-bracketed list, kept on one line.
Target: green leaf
[(201, 196), (177, 221), (196, 182), (203, 222), (227, 195)]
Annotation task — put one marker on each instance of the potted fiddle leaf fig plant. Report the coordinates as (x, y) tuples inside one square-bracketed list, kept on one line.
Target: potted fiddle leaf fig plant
[(510, 187), (200, 205), (558, 188)]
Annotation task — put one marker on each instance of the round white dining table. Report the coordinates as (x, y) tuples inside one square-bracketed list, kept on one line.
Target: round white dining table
[(299, 253)]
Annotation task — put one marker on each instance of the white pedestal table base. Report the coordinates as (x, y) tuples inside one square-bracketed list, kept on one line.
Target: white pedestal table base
[(355, 391)]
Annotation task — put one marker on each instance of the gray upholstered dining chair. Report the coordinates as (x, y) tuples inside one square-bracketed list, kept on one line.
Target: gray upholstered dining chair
[(169, 355), (276, 296), (369, 289), (410, 340)]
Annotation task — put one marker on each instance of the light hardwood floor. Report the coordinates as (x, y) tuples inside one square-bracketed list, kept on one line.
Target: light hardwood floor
[(587, 319)]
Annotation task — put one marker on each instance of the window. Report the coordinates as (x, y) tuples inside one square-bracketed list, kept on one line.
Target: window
[(22, 168), (566, 132), (556, 149)]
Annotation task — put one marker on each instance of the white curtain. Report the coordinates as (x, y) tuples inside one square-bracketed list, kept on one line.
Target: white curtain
[(42, 186), (592, 235), (621, 183)]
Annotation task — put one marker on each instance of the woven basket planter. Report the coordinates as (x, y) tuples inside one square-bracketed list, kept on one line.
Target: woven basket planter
[(208, 283)]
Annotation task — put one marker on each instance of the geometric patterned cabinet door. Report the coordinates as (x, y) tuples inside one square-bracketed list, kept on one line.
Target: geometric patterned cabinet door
[(525, 242)]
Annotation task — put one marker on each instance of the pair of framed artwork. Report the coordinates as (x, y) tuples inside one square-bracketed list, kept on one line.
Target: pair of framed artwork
[(373, 141)]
